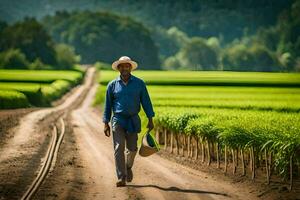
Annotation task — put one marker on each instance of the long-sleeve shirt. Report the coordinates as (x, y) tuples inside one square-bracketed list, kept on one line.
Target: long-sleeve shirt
[(124, 101)]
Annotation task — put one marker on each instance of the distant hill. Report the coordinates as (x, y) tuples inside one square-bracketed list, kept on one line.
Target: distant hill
[(103, 36), (229, 18)]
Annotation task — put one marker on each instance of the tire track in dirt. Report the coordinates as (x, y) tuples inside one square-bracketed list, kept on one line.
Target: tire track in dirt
[(21, 155)]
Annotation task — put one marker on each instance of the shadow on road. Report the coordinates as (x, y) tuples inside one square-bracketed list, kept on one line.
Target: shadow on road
[(176, 189)]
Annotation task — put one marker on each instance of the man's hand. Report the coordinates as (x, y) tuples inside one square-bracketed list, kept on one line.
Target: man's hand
[(150, 124), (107, 129)]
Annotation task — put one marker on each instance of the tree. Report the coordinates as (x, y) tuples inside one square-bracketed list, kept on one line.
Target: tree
[(31, 38), (2, 26), (171, 63), (237, 58), (170, 40), (65, 56), (105, 37), (37, 64), (197, 55), (257, 57), (268, 37), (263, 59), (13, 59)]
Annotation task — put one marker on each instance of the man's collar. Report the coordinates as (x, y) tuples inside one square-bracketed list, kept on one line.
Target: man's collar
[(130, 78)]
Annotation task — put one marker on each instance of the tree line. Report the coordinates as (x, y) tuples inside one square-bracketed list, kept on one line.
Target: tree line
[(273, 48), (27, 45), (65, 38)]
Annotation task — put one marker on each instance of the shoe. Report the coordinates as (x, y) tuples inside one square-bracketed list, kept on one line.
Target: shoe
[(121, 183), (129, 176)]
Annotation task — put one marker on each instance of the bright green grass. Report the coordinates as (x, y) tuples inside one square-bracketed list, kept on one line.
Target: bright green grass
[(31, 90), (256, 98), (261, 98), (39, 86), (12, 99), (210, 78), (40, 76), (38, 94), (100, 96), (55, 90), (22, 87)]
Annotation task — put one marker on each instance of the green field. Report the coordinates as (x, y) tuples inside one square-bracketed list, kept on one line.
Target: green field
[(7, 97), (246, 98), (220, 78), (260, 122), (39, 87), (259, 98), (39, 76)]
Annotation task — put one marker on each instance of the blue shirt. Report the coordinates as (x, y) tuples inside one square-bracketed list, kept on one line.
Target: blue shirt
[(124, 101)]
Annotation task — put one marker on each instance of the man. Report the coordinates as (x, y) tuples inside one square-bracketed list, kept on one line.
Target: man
[(124, 95)]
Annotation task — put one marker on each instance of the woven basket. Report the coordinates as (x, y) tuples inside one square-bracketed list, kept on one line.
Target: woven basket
[(149, 145)]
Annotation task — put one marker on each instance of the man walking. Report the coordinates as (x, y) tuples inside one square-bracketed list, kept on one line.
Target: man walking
[(124, 95)]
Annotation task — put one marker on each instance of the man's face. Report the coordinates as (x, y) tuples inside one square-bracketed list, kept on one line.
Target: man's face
[(124, 68)]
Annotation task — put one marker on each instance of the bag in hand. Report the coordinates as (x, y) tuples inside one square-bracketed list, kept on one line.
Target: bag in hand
[(149, 145)]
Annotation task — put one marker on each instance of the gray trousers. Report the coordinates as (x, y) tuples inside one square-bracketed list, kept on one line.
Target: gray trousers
[(120, 138)]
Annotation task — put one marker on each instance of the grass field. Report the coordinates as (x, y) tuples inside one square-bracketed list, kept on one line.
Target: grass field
[(259, 98), (221, 78), (7, 97), (39, 87), (39, 76), (253, 98)]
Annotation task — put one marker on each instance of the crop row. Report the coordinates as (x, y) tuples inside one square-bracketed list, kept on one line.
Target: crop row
[(214, 78), (245, 98), (264, 139), (257, 98), (12, 99), (40, 76), (24, 88)]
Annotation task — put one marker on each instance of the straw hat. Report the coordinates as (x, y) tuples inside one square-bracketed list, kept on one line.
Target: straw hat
[(124, 59), (149, 145)]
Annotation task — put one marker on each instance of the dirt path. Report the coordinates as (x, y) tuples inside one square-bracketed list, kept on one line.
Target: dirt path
[(154, 177), (22, 153)]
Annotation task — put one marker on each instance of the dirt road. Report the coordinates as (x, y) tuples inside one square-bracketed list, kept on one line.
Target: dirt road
[(24, 146)]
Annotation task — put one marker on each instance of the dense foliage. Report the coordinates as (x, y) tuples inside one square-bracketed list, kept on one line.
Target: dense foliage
[(27, 45), (247, 35), (196, 17), (104, 36), (31, 38)]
